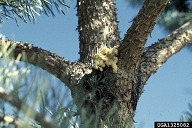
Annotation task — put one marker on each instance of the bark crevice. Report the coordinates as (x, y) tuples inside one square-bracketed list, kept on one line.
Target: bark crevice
[(68, 72), (97, 26), (107, 99)]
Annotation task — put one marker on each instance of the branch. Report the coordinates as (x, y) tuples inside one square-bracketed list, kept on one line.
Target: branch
[(2, 2), (44, 121), (133, 43), (160, 52), (68, 73)]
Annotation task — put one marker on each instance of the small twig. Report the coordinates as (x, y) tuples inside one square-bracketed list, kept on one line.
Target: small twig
[(39, 117)]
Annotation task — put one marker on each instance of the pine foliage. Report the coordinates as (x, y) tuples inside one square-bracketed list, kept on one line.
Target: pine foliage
[(27, 10)]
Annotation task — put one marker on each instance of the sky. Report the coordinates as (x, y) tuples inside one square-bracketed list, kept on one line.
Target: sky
[(167, 92)]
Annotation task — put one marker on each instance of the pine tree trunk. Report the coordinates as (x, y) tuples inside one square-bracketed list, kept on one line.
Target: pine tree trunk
[(98, 28), (106, 98), (112, 103)]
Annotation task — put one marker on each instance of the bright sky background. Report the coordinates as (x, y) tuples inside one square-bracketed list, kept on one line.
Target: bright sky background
[(167, 93)]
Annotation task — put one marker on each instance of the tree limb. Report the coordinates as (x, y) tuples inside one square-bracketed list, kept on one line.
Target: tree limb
[(133, 43), (68, 73), (160, 52)]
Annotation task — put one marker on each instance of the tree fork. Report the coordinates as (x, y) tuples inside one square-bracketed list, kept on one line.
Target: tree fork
[(134, 66), (132, 45), (123, 84)]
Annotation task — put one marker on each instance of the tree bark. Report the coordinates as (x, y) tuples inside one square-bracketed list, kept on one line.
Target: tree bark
[(97, 26), (64, 70), (159, 52), (107, 99)]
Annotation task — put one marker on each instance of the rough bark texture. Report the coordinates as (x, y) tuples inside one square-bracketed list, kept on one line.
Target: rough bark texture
[(121, 86), (133, 43), (51, 62), (107, 99), (158, 53), (97, 26)]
